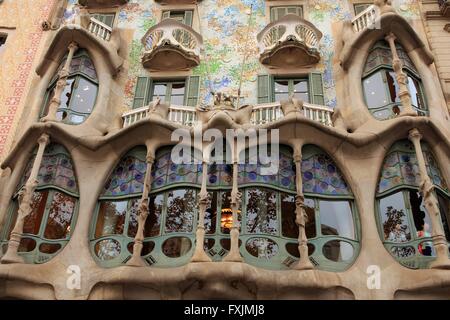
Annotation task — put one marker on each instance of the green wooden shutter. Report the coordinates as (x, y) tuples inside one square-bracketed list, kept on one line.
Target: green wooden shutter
[(165, 15), (316, 88), (140, 96), (192, 91), (188, 18), (264, 88)]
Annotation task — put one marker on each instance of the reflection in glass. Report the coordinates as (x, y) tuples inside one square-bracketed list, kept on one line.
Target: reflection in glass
[(374, 91), (310, 211), (393, 218), (49, 248), (336, 219), (176, 247), (84, 96), (211, 214), (180, 210), (107, 249), (289, 226), (338, 251), (60, 216), (27, 245), (32, 222), (262, 247), (444, 208), (111, 218), (261, 211)]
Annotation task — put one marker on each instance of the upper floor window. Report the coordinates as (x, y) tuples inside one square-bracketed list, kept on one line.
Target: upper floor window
[(277, 13), (381, 89), (276, 89), (54, 205), (106, 18), (183, 16), (176, 91), (404, 222), (360, 7), (80, 93)]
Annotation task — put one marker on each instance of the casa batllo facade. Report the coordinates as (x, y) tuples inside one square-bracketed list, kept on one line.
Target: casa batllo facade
[(92, 205)]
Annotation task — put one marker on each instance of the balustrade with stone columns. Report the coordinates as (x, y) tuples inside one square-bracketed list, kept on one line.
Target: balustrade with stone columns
[(63, 75), (25, 201), (431, 205)]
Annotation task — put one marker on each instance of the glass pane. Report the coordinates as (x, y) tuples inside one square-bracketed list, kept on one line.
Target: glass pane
[(177, 100), (261, 213), (414, 90), (288, 215), (300, 85), (311, 218), (32, 222), (27, 245), (49, 248), (107, 249), (338, 251), (281, 90), (153, 222), (393, 218), (176, 247), (178, 88), (67, 93), (159, 90), (444, 208), (84, 96), (420, 215), (374, 91), (262, 247), (111, 218), (60, 216), (181, 206), (226, 219), (133, 222), (211, 214), (336, 219), (392, 86), (304, 96)]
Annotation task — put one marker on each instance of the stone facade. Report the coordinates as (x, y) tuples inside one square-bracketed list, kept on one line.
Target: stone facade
[(228, 54)]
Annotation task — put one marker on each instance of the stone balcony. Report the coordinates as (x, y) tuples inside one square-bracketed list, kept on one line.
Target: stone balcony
[(171, 45), (102, 3), (259, 114), (289, 42), (366, 19)]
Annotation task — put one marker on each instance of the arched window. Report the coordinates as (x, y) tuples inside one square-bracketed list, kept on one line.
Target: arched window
[(403, 222), (80, 93), (55, 202), (380, 86), (170, 226)]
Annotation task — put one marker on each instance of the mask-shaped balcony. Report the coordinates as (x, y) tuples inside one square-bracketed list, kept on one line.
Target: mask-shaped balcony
[(171, 45), (289, 42), (102, 3)]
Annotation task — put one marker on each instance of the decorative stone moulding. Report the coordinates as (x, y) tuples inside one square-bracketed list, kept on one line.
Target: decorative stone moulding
[(289, 42), (88, 33), (102, 3), (171, 45)]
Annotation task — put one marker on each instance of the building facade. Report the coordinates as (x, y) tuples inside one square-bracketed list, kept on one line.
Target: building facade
[(94, 206)]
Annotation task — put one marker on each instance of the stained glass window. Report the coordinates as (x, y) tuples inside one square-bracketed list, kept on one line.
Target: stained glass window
[(400, 167), (250, 173), (321, 175)]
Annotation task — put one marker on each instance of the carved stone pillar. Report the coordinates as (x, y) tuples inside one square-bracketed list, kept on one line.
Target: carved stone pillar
[(63, 74), (300, 217), (236, 198), (402, 79), (431, 205), (25, 200), (199, 253), (136, 259)]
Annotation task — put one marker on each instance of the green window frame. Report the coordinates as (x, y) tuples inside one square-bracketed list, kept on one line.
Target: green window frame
[(278, 12), (106, 18), (183, 16), (315, 91), (378, 72), (145, 91), (82, 73), (360, 7)]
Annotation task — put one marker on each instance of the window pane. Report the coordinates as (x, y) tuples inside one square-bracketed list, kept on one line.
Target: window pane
[(84, 96), (281, 86), (336, 219), (60, 216), (111, 218), (176, 247), (288, 215), (261, 211), (211, 214), (311, 216), (444, 208), (414, 90), (177, 100), (300, 85), (393, 218), (421, 217), (133, 222), (32, 222), (67, 93), (159, 90), (281, 96), (374, 91), (178, 88), (153, 222), (392, 86), (302, 96), (180, 210), (226, 218)]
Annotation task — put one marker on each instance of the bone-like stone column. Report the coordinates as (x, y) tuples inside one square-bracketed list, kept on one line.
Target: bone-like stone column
[(25, 200), (301, 218), (431, 205), (236, 198), (136, 259), (402, 79), (200, 254), (60, 85)]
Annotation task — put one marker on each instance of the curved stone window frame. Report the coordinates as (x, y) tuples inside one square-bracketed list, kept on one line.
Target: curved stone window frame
[(155, 252), (410, 248), (277, 241), (383, 69), (49, 192), (80, 75)]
